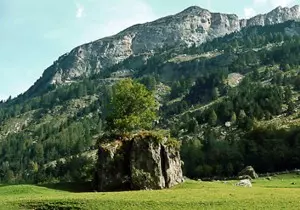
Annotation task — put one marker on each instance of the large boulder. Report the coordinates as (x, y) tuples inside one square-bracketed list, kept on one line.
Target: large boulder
[(112, 167), (146, 160), (147, 171), (249, 171), (172, 165)]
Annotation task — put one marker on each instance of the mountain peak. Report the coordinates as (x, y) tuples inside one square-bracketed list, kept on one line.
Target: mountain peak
[(278, 15), (194, 25), (193, 9)]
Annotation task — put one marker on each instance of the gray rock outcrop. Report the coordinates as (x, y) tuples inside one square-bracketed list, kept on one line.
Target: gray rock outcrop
[(144, 161), (249, 171), (278, 15)]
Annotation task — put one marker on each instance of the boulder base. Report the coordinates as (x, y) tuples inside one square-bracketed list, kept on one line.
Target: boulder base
[(146, 160)]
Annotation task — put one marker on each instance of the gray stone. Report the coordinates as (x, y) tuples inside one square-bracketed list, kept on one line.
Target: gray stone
[(249, 171), (146, 160), (112, 172), (141, 162), (244, 183)]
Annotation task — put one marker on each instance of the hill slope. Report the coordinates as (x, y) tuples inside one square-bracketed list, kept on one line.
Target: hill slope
[(231, 101)]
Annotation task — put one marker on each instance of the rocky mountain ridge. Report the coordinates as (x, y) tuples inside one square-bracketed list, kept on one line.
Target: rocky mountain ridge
[(194, 25)]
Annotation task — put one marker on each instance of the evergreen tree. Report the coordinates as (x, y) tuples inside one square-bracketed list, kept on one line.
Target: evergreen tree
[(213, 118)]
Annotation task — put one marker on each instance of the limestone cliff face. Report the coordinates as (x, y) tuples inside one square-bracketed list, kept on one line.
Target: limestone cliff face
[(278, 15), (191, 26), (141, 162)]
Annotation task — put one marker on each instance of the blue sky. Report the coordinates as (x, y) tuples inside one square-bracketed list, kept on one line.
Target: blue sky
[(34, 33)]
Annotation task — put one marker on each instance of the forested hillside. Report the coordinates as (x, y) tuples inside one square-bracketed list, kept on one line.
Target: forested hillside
[(232, 101)]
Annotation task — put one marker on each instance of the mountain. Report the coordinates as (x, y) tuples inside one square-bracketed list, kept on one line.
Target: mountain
[(191, 26), (278, 15), (229, 92)]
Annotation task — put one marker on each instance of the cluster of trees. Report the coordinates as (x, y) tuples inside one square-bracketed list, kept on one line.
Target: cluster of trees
[(266, 149), (25, 156), (207, 88), (252, 100), (48, 100), (34, 146), (23, 153)]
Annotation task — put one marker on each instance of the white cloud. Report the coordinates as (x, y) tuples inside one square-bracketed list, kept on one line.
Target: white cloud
[(249, 12), (79, 11)]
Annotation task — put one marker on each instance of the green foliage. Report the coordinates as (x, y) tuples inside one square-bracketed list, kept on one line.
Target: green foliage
[(48, 123), (212, 118), (149, 81), (233, 118), (132, 107)]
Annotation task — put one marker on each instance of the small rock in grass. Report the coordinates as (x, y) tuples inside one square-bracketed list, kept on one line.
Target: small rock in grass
[(269, 178), (244, 183)]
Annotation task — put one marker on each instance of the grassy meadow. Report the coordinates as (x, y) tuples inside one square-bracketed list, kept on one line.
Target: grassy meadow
[(282, 192)]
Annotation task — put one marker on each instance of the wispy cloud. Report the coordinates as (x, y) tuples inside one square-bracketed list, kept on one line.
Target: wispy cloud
[(80, 10)]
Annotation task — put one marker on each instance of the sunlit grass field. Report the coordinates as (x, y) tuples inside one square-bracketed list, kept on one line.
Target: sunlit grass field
[(282, 192)]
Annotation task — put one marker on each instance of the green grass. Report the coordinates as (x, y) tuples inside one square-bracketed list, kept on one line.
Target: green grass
[(278, 193)]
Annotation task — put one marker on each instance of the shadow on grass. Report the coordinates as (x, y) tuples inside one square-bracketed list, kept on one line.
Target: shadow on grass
[(75, 187)]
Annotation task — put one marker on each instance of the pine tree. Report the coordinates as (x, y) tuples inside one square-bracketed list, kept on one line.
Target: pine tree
[(213, 118)]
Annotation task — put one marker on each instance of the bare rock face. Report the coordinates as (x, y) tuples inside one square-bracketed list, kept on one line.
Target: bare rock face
[(191, 26), (278, 15), (113, 173), (172, 166), (142, 162), (147, 165)]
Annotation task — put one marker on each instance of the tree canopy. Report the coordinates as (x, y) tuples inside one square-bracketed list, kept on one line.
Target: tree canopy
[(132, 107)]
